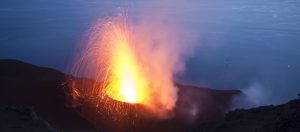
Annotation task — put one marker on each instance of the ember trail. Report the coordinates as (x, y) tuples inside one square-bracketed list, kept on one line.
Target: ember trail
[(128, 66), (126, 80)]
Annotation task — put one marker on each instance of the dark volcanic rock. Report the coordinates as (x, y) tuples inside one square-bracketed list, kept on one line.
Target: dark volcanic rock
[(49, 93), (281, 118), (41, 88), (203, 104), (194, 104), (17, 119)]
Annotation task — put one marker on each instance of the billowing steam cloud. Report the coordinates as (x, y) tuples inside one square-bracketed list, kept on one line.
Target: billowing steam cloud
[(164, 48), (155, 51), (164, 53), (254, 95)]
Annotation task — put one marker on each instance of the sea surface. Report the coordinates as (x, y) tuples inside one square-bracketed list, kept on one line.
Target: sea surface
[(240, 44)]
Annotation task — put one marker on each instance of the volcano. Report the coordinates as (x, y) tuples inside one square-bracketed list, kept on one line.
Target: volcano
[(47, 91), (27, 89)]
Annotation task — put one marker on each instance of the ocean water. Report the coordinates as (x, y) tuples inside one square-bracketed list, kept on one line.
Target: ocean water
[(240, 44)]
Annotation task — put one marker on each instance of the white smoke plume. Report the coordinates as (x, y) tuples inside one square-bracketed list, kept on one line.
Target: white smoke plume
[(160, 47), (253, 96)]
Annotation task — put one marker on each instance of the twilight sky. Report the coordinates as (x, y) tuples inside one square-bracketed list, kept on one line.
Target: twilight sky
[(252, 45)]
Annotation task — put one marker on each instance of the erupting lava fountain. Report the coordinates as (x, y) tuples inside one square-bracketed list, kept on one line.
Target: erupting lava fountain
[(130, 64), (114, 52)]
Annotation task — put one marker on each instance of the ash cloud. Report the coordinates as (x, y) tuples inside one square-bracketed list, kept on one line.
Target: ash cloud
[(158, 44), (163, 49), (253, 96)]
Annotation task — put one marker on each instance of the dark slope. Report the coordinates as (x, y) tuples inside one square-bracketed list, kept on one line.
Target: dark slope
[(22, 119), (194, 105), (28, 85), (280, 118), (210, 104), (45, 90)]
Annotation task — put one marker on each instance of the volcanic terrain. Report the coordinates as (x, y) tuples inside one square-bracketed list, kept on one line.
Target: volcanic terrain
[(28, 89)]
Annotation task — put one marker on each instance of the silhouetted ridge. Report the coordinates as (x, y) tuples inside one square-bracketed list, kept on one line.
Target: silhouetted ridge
[(19, 69), (47, 92), (23, 84), (280, 118)]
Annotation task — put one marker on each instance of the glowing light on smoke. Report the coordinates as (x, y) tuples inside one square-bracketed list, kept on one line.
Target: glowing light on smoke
[(112, 60), (127, 82), (131, 63)]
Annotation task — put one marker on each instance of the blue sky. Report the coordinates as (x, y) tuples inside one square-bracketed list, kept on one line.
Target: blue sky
[(240, 43)]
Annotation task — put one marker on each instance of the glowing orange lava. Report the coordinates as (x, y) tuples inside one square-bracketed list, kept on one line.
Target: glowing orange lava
[(127, 83), (129, 62)]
